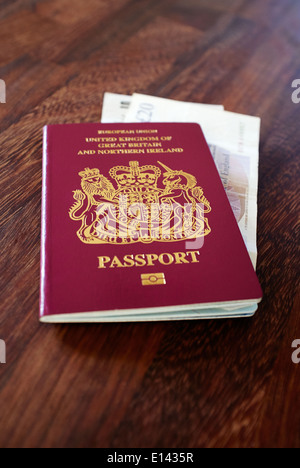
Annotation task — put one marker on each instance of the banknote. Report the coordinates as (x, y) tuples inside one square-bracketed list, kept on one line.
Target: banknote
[(115, 107)]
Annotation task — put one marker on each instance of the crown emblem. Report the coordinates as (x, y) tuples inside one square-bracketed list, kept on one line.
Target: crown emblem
[(89, 173), (134, 176)]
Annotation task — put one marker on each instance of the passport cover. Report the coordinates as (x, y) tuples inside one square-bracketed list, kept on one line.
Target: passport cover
[(136, 225)]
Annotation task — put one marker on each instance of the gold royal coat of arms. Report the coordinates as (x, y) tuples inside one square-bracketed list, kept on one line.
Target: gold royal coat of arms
[(139, 204)]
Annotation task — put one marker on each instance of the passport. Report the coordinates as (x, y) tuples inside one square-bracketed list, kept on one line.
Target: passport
[(136, 226)]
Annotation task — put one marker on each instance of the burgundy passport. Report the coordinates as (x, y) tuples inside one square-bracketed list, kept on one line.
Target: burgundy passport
[(136, 226)]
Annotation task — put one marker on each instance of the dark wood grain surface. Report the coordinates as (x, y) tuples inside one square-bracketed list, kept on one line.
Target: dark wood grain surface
[(228, 383)]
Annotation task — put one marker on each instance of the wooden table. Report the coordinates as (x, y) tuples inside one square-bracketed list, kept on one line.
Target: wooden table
[(229, 383)]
